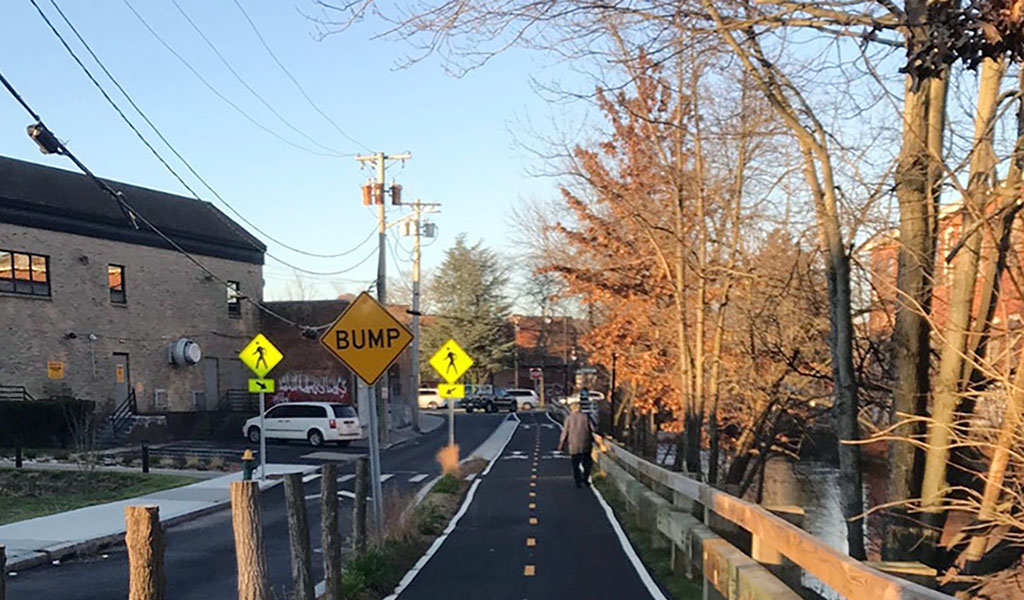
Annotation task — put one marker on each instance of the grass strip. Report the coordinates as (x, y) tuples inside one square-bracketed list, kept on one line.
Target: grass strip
[(657, 561), (27, 493)]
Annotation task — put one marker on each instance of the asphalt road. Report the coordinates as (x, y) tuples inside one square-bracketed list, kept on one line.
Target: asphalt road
[(200, 557), (575, 552)]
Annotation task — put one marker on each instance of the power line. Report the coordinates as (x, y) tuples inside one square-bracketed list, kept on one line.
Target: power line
[(164, 139), (298, 86), (372, 253), (134, 214), (246, 85), (217, 92)]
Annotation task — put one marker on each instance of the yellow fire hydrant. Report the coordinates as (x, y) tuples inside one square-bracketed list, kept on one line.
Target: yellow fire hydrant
[(248, 464)]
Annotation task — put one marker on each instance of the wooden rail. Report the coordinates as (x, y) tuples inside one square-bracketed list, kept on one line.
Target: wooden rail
[(849, 577)]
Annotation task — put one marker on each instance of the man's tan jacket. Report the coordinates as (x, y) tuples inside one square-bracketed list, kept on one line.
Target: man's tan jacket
[(578, 432)]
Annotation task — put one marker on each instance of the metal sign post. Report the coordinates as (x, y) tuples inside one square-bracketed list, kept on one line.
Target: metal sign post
[(263, 438), (451, 362), (368, 339), (261, 357)]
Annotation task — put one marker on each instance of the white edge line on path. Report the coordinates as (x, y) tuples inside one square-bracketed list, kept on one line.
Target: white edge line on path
[(627, 547), (422, 562)]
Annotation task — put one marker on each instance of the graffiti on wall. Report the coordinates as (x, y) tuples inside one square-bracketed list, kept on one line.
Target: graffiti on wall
[(306, 387)]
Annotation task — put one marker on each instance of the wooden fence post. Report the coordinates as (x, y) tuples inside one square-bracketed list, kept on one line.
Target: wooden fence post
[(359, 508), (3, 572), (331, 533), (298, 535), (144, 540), (249, 550)]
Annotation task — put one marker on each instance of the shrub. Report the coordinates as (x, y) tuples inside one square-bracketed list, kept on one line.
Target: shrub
[(446, 485), (429, 519), (42, 422)]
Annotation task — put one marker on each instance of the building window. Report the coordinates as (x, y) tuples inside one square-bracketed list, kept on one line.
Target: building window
[(24, 273), (115, 282), (234, 299)]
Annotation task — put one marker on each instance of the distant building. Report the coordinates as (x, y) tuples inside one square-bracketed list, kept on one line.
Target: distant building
[(93, 308), (550, 344), (882, 259)]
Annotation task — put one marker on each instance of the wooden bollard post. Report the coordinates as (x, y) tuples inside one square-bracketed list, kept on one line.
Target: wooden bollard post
[(250, 553), (359, 507), (331, 533), (144, 540), (298, 535), (3, 572)]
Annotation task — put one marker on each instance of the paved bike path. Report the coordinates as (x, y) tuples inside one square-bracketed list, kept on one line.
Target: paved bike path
[(574, 553)]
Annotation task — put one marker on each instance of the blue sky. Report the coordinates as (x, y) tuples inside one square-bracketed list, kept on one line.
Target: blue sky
[(461, 131)]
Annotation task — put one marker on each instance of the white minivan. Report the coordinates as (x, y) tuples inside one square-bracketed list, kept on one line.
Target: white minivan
[(315, 422), (525, 399), (429, 399)]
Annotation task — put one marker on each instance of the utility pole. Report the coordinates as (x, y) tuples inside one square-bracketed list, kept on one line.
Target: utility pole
[(378, 408), (417, 231)]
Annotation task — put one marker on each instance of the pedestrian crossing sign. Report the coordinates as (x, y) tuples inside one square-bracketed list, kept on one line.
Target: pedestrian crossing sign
[(451, 390), (260, 355), (451, 361)]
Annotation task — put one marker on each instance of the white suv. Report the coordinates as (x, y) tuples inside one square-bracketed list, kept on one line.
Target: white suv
[(429, 399), (525, 399), (315, 422)]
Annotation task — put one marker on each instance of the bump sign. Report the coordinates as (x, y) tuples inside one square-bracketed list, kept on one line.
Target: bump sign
[(366, 338), (451, 361)]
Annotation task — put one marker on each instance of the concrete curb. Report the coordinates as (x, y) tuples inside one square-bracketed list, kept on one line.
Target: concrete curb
[(94, 545)]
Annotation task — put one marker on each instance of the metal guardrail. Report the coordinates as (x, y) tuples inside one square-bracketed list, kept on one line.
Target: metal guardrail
[(14, 393), (849, 577)]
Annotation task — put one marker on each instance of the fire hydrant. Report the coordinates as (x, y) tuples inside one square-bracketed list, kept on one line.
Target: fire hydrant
[(248, 464)]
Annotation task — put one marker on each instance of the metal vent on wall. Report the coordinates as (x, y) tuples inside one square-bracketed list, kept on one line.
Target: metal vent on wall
[(198, 400), (160, 400)]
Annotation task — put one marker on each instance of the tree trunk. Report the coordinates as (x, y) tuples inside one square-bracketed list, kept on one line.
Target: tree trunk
[(250, 553), (331, 535), (298, 536), (145, 545), (965, 271)]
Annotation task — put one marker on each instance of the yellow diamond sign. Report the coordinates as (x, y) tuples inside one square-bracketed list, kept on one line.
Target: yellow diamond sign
[(366, 338), (451, 361), (260, 355)]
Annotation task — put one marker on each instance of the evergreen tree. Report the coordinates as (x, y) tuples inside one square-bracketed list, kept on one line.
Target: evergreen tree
[(469, 300)]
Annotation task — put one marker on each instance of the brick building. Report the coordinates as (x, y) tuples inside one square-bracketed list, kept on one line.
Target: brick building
[(882, 256), (93, 308)]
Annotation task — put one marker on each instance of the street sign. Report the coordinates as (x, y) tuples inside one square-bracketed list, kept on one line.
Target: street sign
[(451, 361), (536, 373), (261, 385), (260, 355), (587, 370), (451, 390), (366, 338)]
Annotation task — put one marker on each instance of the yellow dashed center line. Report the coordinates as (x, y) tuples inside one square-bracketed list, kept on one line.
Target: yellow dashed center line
[(533, 520), (528, 571), (533, 494), (531, 542), (533, 505)]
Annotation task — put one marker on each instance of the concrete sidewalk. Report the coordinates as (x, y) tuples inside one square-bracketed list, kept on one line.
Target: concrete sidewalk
[(43, 539)]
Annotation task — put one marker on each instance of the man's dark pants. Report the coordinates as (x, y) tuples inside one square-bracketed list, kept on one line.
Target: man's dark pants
[(585, 461)]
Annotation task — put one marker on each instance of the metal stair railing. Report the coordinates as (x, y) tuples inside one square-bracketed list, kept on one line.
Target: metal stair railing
[(123, 414), (14, 393)]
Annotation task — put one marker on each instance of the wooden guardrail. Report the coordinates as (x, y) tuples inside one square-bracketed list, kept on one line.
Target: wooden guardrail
[(770, 533)]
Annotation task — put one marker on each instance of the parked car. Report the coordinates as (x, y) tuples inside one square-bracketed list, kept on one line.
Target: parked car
[(591, 395), (494, 401), (526, 399), (316, 422), (429, 399)]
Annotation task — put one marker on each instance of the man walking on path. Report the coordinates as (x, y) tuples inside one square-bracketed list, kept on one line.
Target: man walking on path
[(579, 434)]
